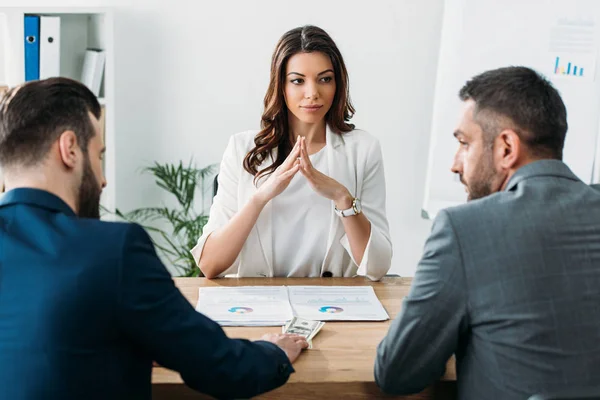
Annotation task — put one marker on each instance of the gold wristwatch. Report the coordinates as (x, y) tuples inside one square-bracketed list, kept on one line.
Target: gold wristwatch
[(354, 210)]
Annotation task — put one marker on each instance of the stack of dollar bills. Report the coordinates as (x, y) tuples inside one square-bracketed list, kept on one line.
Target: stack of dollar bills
[(303, 327)]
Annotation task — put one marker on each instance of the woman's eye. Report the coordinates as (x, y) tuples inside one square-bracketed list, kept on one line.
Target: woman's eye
[(297, 81), (327, 79)]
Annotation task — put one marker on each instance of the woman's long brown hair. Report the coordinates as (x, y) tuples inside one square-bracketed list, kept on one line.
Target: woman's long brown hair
[(274, 131)]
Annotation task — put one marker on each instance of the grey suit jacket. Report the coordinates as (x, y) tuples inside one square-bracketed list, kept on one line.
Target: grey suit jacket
[(510, 284)]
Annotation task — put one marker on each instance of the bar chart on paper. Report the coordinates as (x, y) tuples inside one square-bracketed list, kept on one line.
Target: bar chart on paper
[(568, 67)]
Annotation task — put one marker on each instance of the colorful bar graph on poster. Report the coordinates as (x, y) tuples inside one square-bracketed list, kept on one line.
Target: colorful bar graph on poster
[(571, 69)]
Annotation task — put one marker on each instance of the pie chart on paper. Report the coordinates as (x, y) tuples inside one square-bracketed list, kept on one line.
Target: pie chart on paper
[(331, 310), (240, 310)]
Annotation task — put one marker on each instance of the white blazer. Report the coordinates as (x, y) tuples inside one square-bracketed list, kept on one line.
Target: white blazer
[(354, 160)]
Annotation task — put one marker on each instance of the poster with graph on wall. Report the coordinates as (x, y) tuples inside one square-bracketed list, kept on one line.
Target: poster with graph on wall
[(572, 50), (558, 39)]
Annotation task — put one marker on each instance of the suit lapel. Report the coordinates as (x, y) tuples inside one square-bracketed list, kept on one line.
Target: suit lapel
[(342, 170), (264, 225)]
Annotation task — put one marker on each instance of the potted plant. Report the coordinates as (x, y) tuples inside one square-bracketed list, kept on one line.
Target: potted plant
[(185, 222)]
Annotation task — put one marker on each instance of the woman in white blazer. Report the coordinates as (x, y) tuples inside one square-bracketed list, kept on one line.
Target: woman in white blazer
[(305, 195)]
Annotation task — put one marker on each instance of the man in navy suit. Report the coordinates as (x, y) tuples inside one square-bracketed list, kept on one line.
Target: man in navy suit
[(86, 305)]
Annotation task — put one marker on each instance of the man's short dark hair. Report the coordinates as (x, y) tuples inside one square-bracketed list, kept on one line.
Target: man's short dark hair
[(35, 114), (519, 98)]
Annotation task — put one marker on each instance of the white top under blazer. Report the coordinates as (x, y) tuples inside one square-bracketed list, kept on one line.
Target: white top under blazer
[(301, 207), (354, 160)]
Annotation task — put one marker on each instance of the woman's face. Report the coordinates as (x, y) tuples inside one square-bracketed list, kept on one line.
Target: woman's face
[(309, 86)]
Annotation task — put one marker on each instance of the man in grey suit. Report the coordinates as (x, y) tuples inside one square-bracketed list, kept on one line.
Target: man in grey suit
[(510, 281)]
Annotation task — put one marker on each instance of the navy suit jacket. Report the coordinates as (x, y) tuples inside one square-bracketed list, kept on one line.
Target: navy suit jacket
[(86, 306)]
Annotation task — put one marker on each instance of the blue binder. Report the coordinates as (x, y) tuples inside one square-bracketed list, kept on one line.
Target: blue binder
[(32, 47)]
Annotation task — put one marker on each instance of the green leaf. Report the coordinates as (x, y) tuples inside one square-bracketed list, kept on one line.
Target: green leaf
[(186, 223)]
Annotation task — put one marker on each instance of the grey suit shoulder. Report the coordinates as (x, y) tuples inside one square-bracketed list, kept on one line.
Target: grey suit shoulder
[(534, 191)]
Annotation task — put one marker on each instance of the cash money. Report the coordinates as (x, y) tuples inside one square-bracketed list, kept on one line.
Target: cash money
[(303, 327)]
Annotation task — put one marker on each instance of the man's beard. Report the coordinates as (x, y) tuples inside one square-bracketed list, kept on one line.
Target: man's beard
[(89, 193), (480, 185)]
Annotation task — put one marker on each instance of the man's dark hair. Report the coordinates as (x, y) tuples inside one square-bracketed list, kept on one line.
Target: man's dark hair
[(519, 98), (35, 114)]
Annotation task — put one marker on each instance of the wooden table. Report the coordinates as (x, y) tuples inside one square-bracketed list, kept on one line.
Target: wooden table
[(340, 366)]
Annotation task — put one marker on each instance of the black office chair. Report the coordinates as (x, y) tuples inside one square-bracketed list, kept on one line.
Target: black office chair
[(215, 185), (572, 394)]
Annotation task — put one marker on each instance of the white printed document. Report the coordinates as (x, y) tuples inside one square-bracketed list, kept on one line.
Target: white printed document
[(275, 305), (336, 303), (245, 305)]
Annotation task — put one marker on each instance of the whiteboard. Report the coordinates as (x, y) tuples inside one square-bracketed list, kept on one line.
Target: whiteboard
[(548, 36)]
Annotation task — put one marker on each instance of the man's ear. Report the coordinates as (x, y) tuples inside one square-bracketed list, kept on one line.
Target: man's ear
[(68, 149), (507, 149)]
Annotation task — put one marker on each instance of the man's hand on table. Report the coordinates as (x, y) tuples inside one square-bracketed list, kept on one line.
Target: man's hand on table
[(292, 345)]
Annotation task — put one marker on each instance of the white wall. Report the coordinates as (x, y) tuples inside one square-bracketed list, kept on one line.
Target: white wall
[(191, 73)]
